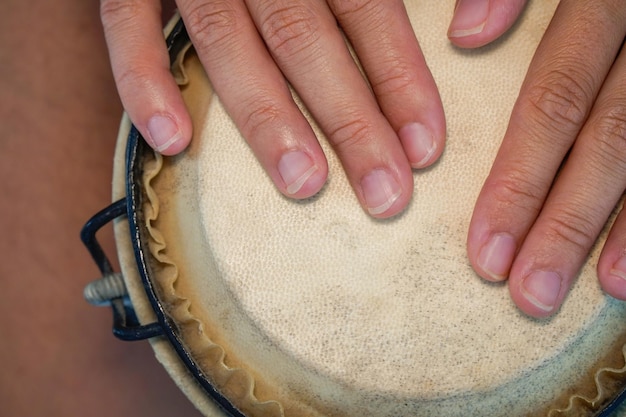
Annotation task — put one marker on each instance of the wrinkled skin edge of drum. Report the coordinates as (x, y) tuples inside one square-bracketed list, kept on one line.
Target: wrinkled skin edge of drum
[(603, 379), (162, 348), (210, 356)]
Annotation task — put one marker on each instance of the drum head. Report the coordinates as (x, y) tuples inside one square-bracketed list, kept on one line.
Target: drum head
[(313, 308)]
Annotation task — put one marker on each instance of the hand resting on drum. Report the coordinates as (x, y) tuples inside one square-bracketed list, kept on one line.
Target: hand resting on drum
[(252, 49), (561, 168)]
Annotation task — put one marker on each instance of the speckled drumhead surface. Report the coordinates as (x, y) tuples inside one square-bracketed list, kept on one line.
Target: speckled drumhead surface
[(313, 308)]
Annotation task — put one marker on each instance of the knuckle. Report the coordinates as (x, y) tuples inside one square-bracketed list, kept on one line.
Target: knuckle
[(572, 228), (133, 78), (351, 134), (397, 79), (560, 101), (211, 22), (290, 29), (516, 191), (263, 114), (347, 9), (610, 131)]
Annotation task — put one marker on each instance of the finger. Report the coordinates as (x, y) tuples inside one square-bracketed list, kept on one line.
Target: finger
[(255, 94), (385, 43), (305, 41), (612, 263), (585, 193), (563, 80), (142, 73), (478, 22)]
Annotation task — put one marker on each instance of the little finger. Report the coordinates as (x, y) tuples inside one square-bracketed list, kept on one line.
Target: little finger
[(141, 68)]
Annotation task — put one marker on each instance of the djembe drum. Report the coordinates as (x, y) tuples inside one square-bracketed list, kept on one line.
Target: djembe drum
[(259, 305)]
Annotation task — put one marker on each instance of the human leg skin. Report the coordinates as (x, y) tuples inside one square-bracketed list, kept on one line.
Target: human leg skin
[(59, 114)]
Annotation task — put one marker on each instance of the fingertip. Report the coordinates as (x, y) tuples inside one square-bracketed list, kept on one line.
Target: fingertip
[(494, 257), (612, 274), (142, 74), (612, 263), (470, 18), (156, 107), (300, 174), (532, 311), (421, 146), (538, 293), (490, 252), (167, 134), (478, 22), (385, 193)]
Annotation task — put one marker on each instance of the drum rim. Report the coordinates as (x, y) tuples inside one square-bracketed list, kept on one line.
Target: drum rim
[(136, 147)]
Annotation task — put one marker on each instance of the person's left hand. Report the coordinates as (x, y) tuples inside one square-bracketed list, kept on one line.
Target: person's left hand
[(380, 122), (561, 168)]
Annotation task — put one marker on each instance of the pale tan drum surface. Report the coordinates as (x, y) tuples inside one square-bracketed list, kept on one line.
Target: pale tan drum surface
[(315, 309)]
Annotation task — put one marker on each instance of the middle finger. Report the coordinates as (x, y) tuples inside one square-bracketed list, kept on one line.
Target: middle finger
[(308, 46)]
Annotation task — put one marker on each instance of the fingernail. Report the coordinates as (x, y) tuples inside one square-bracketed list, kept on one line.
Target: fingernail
[(295, 168), (163, 132), (469, 18), (542, 289), (619, 268), (418, 142), (496, 256), (380, 190)]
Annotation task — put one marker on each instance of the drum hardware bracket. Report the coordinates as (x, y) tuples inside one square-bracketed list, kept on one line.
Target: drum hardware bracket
[(110, 288), (125, 323), (108, 291)]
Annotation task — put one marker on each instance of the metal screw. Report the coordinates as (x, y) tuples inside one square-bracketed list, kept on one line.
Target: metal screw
[(103, 290)]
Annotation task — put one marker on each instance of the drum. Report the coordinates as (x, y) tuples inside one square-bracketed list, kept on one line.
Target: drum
[(258, 305)]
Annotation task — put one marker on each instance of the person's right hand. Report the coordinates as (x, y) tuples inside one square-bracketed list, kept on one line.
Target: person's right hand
[(560, 170), (380, 126)]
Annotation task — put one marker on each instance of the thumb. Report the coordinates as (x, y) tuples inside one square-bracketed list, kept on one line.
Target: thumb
[(478, 22)]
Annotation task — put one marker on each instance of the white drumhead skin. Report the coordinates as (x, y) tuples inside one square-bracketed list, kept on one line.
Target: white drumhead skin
[(314, 308)]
